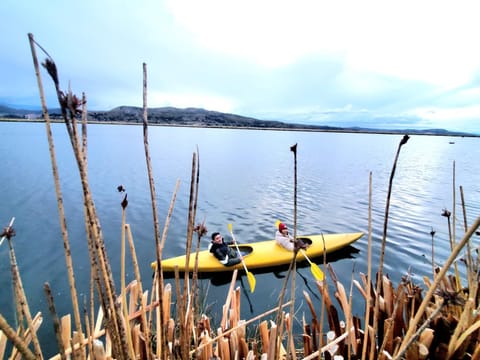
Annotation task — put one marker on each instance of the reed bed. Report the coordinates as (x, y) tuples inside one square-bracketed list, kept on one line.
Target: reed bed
[(438, 319)]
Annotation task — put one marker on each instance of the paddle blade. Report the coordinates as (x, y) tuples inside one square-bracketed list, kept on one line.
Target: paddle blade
[(251, 281), (317, 272), (230, 228)]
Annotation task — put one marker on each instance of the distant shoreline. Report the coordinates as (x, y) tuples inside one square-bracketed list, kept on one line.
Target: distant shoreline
[(297, 128)]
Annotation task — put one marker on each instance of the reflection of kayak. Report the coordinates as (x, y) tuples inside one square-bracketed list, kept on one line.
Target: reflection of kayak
[(262, 254)]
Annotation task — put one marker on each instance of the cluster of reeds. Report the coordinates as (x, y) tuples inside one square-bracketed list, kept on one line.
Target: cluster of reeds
[(166, 322), (403, 323)]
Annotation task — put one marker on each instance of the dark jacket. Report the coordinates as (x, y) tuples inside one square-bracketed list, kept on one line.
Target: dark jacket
[(224, 253)]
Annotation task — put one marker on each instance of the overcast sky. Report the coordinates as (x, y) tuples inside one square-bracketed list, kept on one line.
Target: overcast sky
[(379, 64)]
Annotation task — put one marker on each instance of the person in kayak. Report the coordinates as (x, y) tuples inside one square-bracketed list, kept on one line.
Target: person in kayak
[(286, 240), (224, 253)]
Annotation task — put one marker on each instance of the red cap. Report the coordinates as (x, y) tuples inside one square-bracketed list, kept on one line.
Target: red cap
[(281, 227)]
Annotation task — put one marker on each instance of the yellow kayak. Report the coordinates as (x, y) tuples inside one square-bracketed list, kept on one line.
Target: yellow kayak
[(262, 254)]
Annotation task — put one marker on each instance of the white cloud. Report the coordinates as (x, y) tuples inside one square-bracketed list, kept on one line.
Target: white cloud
[(369, 61), (428, 41), (459, 114), (183, 100)]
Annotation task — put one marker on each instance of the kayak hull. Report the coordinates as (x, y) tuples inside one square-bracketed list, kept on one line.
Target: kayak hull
[(261, 254)]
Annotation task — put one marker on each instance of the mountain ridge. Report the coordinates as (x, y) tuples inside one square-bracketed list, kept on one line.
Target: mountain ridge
[(198, 117)]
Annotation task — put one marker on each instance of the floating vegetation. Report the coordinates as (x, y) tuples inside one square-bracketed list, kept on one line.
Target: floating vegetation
[(439, 319)]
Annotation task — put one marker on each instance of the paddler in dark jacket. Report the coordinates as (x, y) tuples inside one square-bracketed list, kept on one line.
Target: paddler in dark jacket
[(224, 253)]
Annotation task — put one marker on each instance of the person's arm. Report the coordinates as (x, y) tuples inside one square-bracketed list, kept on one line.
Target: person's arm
[(233, 261), (232, 242)]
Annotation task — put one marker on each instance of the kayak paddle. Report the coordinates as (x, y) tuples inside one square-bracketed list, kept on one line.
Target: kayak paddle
[(316, 271), (250, 277), (314, 268)]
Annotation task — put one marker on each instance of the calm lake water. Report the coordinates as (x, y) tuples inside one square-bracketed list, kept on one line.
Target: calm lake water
[(246, 178)]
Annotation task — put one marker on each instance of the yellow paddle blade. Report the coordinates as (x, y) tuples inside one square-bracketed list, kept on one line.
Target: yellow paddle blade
[(317, 272), (251, 281), (230, 227)]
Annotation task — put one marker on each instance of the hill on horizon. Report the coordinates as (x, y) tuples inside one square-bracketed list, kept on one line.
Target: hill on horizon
[(197, 117)]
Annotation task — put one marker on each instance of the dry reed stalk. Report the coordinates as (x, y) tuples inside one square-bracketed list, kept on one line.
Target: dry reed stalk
[(361, 290), (200, 230), (420, 312), (332, 314), (133, 297), (191, 223), (159, 330), (337, 341), (311, 307), (97, 332), (167, 301), (238, 296), (284, 286), (27, 336), (158, 276), (233, 312), (187, 326), (264, 336), (170, 332), (207, 350), (454, 230), (322, 306), (471, 273), (162, 349), (467, 325), (123, 291), (356, 324), (58, 192), (426, 337), (412, 339), (393, 324), (21, 299), (384, 237), (291, 349), (263, 329), (136, 339), (273, 347), (307, 344), (226, 306), (341, 296), (315, 328), (16, 340), (88, 331), (476, 354), (56, 322), (3, 344), (243, 348), (291, 343), (70, 102), (279, 329), (65, 325), (6, 230), (223, 349), (293, 148), (233, 343)]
